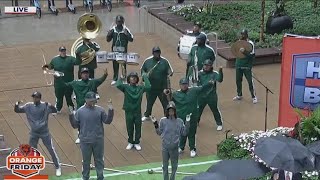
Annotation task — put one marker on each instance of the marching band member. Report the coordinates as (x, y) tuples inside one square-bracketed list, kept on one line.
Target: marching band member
[(37, 115), (121, 36), (171, 129), (65, 64), (244, 67), (132, 106), (84, 85), (210, 97), (90, 119), (185, 100), (202, 53), (92, 65), (158, 69)]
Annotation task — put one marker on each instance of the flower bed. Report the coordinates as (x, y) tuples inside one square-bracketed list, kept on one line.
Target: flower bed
[(242, 146), (228, 19)]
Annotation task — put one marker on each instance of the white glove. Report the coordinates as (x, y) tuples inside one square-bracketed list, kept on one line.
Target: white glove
[(188, 117), (242, 50), (110, 106), (153, 119)]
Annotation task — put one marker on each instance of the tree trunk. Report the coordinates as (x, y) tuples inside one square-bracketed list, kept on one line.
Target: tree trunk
[(263, 5)]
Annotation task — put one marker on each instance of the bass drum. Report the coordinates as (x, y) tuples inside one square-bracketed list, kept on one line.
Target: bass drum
[(133, 59), (186, 43), (101, 57)]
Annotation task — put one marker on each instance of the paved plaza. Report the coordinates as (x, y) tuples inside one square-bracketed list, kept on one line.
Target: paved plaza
[(23, 41)]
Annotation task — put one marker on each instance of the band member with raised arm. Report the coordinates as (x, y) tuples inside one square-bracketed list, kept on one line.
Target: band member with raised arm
[(90, 119), (210, 97), (171, 129), (133, 94), (199, 53), (185, 100), (38, 115), (84, 85), (244, 67), (158, 69), (63, 63), (120, 36)]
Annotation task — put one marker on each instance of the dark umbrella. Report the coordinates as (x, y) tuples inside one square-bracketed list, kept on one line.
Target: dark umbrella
[(205, 176), (284, 153), (239, 169), (315, 149)]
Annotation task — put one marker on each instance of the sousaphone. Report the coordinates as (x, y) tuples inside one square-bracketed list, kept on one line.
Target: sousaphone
[(235, 48)]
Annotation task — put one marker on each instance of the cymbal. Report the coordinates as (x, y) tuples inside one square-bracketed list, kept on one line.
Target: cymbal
[(235, 48)]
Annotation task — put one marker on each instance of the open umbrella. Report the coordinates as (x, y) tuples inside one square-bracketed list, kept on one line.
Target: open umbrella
[(239, 169), (284, 153), (315, 149), (205, 176)]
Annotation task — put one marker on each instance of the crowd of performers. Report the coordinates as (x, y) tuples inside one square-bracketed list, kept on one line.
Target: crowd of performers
[(182, 108)]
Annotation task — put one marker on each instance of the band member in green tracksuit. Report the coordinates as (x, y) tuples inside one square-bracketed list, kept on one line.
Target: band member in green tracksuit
[(121, 36), (132, 106), (185, 100), (158, 69), (84, 85), (210, 97), (199, 52), (92, 65), (244, 67), (65, 64)]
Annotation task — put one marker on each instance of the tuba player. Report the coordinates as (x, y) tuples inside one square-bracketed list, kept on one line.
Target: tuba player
[(120, 36)]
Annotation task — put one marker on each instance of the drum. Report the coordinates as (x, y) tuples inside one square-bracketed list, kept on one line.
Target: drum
[(186, 43), (111, 56), (133, 59), (101, 57), (121, 57)]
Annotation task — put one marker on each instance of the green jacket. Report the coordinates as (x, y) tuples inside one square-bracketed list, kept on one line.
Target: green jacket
[(248, 60), (186, 102), (205, 77), (65, 65), (203, 53), (161, 70), (119, 39), (81, 87), (133, 94), (83, 48)]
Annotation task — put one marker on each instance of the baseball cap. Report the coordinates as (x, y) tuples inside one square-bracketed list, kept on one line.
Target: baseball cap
[(208, 62), (62, 48), (84, 70), (155, 49), (202, 36), (36, 94), (198, 24), (183, 81), (90, 96)]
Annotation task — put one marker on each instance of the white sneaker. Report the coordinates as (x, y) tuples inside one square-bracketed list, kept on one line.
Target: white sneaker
[(237, 98), (255, 100), (145, 118), (219, 128), (180, 151), (193, 153), (58, 172), (58, 112), (129, 146), (97, 96), (74, 97), (77, 141), (113, 83), (137, 146)]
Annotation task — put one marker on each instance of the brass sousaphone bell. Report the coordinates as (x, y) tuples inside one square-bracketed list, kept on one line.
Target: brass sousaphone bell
[(89, 27), (235, 48)]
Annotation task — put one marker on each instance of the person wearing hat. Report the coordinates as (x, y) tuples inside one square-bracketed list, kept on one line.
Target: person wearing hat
[(158, 70), (92, 65), (132, 106), (63, 63), (171, 129), (121, 36), (84, 85), (202, 53), (210, 97), (37, 113), (185, 100), (90, 119), (244, 67)]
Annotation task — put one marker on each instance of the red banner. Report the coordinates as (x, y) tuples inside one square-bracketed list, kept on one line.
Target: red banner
[(300, 78)]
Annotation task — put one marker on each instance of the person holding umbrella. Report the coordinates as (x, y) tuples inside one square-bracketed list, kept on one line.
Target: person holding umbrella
[(285, 175), (171, 129)]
